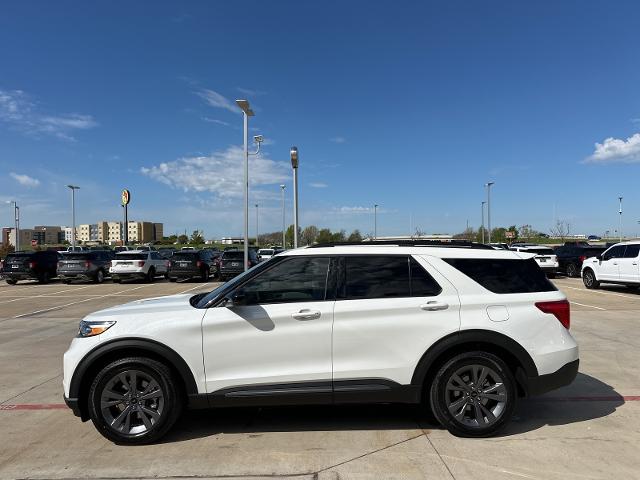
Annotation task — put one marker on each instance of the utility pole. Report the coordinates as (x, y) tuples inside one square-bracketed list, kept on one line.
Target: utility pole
[(294, 165), (488, 185), (375, 221), (257, 243), (73, 215), (482, 228), (620, 211), (284, 245)]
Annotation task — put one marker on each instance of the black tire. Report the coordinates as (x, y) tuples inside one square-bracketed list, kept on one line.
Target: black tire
[(44, 278), (633, 288), (11, 281), (66, 282), (589, 279), (116, 280), (151, 275), (204, 276), (99, 278), (144, 427), (573, 270), (495, 409)]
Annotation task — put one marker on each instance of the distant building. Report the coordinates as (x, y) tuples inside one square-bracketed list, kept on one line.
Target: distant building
[(231, 240), (158, 231)]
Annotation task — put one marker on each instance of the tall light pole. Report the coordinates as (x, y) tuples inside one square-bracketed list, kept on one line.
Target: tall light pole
[(247, 112), (73, 215), (375, 221), (620, 211), (257, 243), (294, 165), (282, 187), (488, 185), (16, 219), (482, 228)]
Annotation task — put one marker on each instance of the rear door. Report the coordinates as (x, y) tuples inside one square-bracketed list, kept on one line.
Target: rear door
[(389, 310), (608, 265), (628, 265), (276, 335)]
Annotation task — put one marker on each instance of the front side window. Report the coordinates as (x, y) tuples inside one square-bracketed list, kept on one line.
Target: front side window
[(298, 279), (614, 252)]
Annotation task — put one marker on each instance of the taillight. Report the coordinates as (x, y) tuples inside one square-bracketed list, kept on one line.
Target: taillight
[(199, 263), (141, 263), (87, 264), (560, 309), (582, 258), (167, 263), (32, 265)]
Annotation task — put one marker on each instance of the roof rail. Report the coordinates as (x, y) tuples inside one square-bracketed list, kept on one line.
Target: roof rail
[(409, 243)]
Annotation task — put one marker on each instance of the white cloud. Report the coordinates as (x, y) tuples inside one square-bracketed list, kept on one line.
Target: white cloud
[(18, 110), (25, 180), (214, 99), (617, 150), (353, 210), (220, 173), (215, 120), (318, 185), (338, 139)]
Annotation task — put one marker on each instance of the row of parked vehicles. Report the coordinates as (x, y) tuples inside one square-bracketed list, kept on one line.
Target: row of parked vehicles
[(613, 263), (143, 263)]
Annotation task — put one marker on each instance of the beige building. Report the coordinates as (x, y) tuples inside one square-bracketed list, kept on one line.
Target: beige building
[(141, 232)]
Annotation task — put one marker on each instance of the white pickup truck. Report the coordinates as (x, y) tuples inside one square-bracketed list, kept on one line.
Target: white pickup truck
[(619, 264)]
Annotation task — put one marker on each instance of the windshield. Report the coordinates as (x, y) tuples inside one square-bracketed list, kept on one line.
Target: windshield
[(131, 256), (265, 251), (539, 251), (77, 256), (184, 256), (234, 255)]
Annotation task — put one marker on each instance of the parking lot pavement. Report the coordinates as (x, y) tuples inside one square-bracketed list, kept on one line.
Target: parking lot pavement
[(589, 430)]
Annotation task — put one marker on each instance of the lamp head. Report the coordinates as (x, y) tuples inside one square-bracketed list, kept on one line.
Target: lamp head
[(294, 157)]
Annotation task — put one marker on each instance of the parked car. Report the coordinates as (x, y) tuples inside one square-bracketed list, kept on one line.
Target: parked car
[(232, 263), (187, 264), (40, 265), (77, 248), (594, 237), (137, 264), (570, 257), (265, 254), (545, 257), (122, 248), (619, 264), (462, 331), (92, 265), (166, 252)]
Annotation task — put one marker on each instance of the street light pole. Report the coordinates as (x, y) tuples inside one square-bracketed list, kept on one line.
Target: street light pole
[(488, 185), (73, 215), (16, 219), (257, 243), (246, 113), (620, 211), (482, 228), (282, 187), (375, 221), (294, 165)]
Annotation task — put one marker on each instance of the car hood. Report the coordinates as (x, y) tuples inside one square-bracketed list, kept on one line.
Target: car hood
[(147, 306)]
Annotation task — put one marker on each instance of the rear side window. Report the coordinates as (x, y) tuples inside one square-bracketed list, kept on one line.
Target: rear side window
[(632, 251), (386, 277), (504, 275), (232, 255)]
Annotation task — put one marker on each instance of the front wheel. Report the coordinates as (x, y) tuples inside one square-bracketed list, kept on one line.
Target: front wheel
[(151, 275), (473, 394), (589, 279), (134, 401)]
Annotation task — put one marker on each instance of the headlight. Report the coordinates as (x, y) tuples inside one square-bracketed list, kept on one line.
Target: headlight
[(90, 328)]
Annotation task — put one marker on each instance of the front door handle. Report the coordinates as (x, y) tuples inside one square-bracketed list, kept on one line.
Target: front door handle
[(306, 314), (433, 306)]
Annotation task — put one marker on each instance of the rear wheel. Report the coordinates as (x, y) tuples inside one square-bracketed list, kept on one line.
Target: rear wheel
[(151, 275), (204, 276), (573, 270), (99, 276), (116, 280), (11, 281), (44, 277), (134, 400), (473, 394), (589, 279)]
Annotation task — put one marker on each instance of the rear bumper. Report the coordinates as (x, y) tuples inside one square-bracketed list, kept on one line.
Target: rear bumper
[(230, 272), (545, 383), (184, 273), (128, 275), (19, 275), (72, 275)]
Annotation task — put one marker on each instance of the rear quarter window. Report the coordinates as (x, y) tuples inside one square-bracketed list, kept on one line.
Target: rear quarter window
[(504, 275)]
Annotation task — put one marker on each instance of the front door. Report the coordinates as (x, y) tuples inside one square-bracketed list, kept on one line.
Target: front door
[(277, 334), (608, 268)]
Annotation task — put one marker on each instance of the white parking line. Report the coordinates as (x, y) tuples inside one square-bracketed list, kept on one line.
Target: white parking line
[(584, 305), (58, 307), (605, 293), (189, 289), (46, 294)]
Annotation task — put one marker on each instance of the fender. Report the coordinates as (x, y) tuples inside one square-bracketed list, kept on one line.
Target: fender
[(473, 336), (159, 349)]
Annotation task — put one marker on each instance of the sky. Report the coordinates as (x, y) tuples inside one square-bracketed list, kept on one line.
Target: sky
[(412, 106)]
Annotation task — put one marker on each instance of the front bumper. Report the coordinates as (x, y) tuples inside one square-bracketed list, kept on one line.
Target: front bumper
[(545, 383)]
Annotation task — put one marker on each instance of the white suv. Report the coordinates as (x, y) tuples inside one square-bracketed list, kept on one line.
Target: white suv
[(619, 264), (138, 264), (461, 328), (544, 256)]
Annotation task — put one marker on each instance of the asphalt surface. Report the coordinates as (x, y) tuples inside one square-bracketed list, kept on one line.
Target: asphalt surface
[(589, 430)]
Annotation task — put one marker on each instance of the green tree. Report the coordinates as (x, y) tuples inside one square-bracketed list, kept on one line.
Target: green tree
[(183, 239), (355, 236), (5, 249), (324, 236), (338, 236), (197, 237), (309, 235)]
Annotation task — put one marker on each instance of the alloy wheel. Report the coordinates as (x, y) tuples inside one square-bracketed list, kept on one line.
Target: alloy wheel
[(132, 402), (476, 396)]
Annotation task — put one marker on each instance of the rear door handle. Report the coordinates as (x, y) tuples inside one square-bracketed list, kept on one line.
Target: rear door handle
[(306, 314), (433, 306)]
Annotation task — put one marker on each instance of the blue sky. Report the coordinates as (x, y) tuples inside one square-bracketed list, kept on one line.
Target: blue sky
[(410, 105)]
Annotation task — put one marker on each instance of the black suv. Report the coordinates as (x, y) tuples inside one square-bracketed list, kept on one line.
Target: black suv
[(192, 264), (231, 263), (571, 255), (39, 266), (93, 265)]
